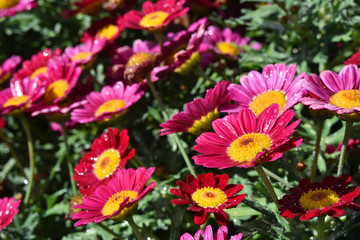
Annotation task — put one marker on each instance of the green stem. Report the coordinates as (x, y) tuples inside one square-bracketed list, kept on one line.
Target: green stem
[(347, 134), (134, 227), (317, 149), (321, 221), (69, 159), (277, 178), (30, 144), (13, 153), (107, 229), (267, 183)]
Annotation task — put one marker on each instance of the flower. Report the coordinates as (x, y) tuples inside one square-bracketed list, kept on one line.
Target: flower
[(275, 85), (108, 154), (88, 7), (111, 101), (8, 209), (10, 7), (208, 194), (37, 64), (354, 59), (108, 28), (155, 17), (221, 234), (244, 140), (327, 197), (8, 67), (339, 93), (199, 113), (117, 199), (352, 143), (20, 96), (119, 6), (85, 53)]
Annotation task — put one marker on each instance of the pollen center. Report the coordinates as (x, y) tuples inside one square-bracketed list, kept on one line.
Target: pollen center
[(108, 31), (110, 106), (55, 90), (154, 19), (209, 197), (264, 100), (228, 48), (318, 198), (14, 101), (190, 64), (346, 99), (8, 3), (139, 58), (37, 72), (106, 163), (246, 147), (113, 203), (81, 56), (204, 124)]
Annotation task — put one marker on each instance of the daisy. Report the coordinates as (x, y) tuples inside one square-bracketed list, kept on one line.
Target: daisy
[(327, 197), (108, 154), (10, 7), (37, 64), (8, 209), (111, 101), (244, 140), (108, 28), (258, 91), (20, 96), (208, 194), (117, 199), (88, 7), (155, 17), (221, 234), (199, 113), (8, 67)]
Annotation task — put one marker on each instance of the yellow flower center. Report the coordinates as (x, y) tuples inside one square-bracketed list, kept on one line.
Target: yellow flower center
[(228, 48), (209, 197), (108, 31), (318, 198), (245, 148), (8, 3), (204, 124), (154, 19), (113, 203), (264, 100), (92, 8), (17, 100), (38, 71), (106, 163), (81, 56), (346, 99), (55, 90), (110, 106), (139, 58), (190, 64)]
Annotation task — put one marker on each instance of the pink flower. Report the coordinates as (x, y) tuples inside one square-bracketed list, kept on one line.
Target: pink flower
[(8, 68), (221, 234), (8, 209), (85, 53), (10, 7)]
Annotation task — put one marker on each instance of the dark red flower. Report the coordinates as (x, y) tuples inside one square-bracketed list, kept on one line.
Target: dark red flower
[(208, 194), (328, 197), (354, 59)]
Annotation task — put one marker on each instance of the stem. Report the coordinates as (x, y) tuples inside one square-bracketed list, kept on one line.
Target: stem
[(347, 134), (267, 183), (134, 227), (107, 229), (317, 149), (69, 159), (276, 177), (321, 221), (30, 144), (13, 153)]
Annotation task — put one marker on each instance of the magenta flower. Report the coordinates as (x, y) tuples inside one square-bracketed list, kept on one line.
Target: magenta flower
[(110, 102), (258, 91), (221, 234), (117, 199), (109, 28), (8, 67), (8, 209), (10, 7), (245, 140), (89, 7), (199, 113), (85, 53)]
